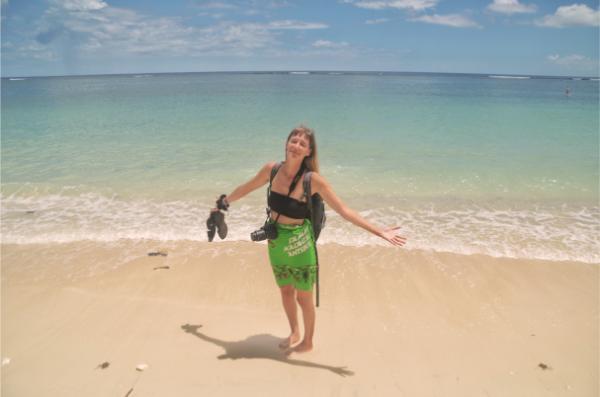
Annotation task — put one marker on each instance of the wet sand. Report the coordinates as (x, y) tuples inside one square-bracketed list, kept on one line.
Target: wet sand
[(206, 319)]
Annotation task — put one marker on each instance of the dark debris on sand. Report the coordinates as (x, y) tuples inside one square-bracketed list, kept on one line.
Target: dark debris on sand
[(104, 365)]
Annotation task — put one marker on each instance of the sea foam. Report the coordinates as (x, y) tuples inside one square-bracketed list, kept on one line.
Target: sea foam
[(552, 233)]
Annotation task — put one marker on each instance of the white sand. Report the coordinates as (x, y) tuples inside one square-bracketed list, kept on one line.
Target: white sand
[(391, 322)]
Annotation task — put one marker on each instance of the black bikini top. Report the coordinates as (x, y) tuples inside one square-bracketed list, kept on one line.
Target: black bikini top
[(287, 206)]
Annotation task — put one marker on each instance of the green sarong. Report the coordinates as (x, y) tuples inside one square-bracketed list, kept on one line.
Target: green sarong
[(293, 257)]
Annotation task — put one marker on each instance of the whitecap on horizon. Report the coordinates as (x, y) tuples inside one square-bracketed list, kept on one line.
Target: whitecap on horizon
[(508, 77)]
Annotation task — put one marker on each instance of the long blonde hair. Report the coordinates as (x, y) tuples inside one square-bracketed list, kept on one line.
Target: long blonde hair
[(310, 162)]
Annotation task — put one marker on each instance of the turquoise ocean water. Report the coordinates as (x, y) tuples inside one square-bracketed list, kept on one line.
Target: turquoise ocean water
[(465, 163)]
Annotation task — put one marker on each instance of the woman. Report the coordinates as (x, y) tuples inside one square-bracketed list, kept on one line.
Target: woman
[(293, 252)]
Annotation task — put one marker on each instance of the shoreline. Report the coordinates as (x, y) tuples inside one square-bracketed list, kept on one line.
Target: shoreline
[(106, 256), (207, 319)]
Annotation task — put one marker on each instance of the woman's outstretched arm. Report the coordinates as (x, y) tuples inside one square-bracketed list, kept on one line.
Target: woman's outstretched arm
[(321, 186), (257, 181)]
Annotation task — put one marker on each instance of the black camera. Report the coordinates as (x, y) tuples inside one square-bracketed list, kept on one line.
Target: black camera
[(267, 232)]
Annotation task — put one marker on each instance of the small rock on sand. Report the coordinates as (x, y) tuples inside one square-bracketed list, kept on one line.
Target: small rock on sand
[(141, 367)]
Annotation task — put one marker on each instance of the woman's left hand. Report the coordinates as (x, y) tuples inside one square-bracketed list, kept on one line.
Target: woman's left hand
[(390, 234)]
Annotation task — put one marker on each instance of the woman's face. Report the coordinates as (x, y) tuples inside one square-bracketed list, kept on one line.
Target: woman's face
[(298, 146)]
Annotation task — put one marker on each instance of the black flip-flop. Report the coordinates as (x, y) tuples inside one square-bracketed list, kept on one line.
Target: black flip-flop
[(219, 219), (211, 225)]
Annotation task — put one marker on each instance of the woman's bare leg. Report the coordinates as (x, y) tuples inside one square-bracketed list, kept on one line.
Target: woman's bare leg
[(305, 299), (288, 297)]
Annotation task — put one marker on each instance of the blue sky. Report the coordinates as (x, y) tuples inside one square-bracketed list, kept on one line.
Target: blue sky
[(64, 37)]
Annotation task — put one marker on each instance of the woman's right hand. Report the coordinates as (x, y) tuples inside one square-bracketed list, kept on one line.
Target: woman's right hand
[(390, 234), (222, 202)]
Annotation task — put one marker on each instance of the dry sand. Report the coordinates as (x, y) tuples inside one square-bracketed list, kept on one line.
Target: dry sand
[(392, 322)]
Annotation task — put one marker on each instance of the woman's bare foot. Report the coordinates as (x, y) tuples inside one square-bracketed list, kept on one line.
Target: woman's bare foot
[(290, 341), (301, 348)]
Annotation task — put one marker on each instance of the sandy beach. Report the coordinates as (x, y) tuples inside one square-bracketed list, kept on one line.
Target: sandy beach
[(206, 320)]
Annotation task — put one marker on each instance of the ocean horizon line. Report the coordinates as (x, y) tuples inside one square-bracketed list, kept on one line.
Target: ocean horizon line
[(315, 71)]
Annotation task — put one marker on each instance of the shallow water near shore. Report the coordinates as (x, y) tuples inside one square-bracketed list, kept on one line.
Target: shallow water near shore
[(465, 163)]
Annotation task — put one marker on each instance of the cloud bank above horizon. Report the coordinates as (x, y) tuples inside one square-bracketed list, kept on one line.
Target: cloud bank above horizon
[(47, 37)]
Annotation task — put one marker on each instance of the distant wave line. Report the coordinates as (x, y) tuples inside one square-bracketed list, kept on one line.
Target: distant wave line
[(494, 76)]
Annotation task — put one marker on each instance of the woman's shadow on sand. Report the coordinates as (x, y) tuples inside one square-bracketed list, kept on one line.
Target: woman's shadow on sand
[(259, 346)]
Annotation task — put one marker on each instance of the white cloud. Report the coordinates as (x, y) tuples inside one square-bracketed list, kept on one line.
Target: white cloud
[(81, 5), (37, 51), (452, 20), (214, 15), (376, 21), (329, 44), (217, 9), (511, 7), (295, 25), (246, 7), (218, 5), (94, 28), (278, 4), (227, 37), (416, 5), (572, 15), (573, 61)]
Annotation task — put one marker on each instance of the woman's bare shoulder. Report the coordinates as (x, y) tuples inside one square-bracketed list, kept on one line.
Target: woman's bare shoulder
[(269, 166), (265, 171), (317, 180), (316, 175)]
